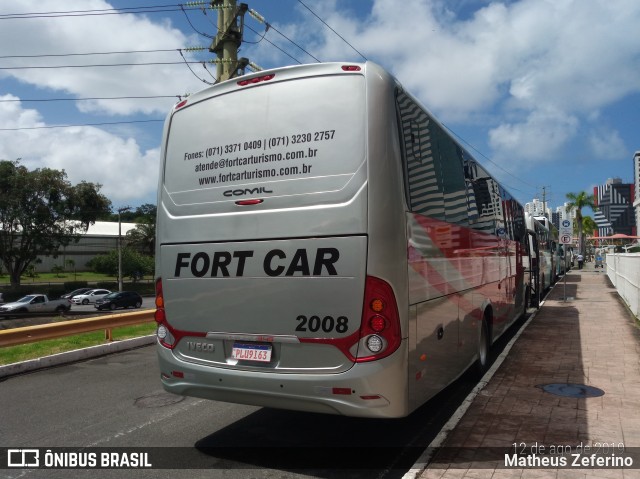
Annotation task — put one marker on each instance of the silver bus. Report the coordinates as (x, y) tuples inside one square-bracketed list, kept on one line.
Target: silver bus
[(325, 245)]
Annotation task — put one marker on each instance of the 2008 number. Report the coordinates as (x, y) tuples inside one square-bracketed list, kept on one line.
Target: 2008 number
[(326, 324)]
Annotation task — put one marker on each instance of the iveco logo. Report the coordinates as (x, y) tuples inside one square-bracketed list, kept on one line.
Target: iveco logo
[(202, 347), (247, 191)]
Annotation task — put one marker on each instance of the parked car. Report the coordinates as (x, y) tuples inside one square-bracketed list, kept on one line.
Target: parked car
[(90, 296), (122, 299), (76, 292), (35, 303)]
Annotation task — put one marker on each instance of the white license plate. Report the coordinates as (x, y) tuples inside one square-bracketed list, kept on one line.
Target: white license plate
[(251, 352)]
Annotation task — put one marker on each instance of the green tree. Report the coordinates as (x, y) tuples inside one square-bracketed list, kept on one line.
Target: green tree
[(57, 270), (588, 227), (143, 236), (577, 201), (40, 212), (140, 214), (133, 263)]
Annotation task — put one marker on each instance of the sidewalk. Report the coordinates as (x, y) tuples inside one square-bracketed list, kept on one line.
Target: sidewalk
[(592, 340)]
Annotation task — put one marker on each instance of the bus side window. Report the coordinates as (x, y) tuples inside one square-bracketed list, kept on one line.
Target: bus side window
[(481, 196), (448, 159), (423, 177)]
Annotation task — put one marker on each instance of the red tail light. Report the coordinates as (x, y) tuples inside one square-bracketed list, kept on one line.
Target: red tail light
[(351, 68), (259, 79), (167, 335), (163, 332), (159, 314), (380, 333)]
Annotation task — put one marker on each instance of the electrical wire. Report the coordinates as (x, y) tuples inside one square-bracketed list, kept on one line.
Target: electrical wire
[(77, 125), (269, 41), (286, 37), (329, 27), (86, 54), (91, 13), (93, 65), (90, 98), (194, 73), (489, 159), (206, 35)]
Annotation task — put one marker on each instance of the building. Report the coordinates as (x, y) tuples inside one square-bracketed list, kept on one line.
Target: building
[(615, 213), (563, 213), (535, 208), (636, 184), (100, 238)]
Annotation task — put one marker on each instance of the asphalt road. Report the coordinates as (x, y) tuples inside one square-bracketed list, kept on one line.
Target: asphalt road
[(77, 311), (117, 401)]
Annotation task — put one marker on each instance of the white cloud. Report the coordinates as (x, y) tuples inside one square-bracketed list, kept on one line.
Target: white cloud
[(536, 138), (551, 63), (85, 153), (529, 73), (98, 33), (607, 144)]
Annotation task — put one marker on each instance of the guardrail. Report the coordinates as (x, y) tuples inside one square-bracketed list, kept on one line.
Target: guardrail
[(623, 270), (31, 334)]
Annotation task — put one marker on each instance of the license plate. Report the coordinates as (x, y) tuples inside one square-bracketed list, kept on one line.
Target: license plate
[(251, 352)]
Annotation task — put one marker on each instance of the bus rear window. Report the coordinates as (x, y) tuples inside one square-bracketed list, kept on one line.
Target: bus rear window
[(293, 137)]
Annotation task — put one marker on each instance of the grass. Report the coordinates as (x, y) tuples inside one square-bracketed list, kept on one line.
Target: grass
[(88, 276), (23, 352)]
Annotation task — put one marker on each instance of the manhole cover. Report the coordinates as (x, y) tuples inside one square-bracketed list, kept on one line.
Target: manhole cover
[(572, 390), (160, 399)]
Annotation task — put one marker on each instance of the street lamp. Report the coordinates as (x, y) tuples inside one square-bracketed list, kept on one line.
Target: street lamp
[(120, 211)]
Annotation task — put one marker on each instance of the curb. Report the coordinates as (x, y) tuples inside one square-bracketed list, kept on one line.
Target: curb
[(425, 458), (73, 356)]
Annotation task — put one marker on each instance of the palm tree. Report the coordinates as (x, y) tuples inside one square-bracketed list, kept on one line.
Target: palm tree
[(588, 227), (577, 201), (143, 236)]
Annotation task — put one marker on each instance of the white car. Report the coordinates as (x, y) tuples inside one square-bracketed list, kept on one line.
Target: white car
[(90, 296)]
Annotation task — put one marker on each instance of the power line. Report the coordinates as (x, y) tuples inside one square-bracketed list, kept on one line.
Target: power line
[(269, 41), (329, 27), (83, 124), (91, 13), (194, 73), (488, 159), (88, 53), (31, 67), (286, 37), (91, 98)]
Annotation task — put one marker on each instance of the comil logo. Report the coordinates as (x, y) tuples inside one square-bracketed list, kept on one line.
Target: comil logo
[(247, 191), (23, 458)]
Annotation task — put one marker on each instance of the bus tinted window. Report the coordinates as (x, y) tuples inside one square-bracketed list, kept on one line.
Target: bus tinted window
[(424, 178), (265, 142)]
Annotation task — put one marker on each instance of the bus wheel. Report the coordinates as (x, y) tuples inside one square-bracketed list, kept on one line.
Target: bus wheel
[(484, 349)]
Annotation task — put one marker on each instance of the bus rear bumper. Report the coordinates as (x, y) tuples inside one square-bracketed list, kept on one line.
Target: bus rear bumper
[(376, 389)]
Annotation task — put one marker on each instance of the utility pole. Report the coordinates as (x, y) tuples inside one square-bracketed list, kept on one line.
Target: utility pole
[(229, 38), (120, 211)]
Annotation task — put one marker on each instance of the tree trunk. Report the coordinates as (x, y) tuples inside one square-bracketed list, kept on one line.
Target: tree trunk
[(15, 272), (14, 277)]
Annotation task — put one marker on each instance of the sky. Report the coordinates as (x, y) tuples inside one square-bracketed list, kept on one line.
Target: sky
[(544, 93)]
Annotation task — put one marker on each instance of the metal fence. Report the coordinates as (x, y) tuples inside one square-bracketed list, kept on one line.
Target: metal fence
[(30, 334), (623, 270)]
